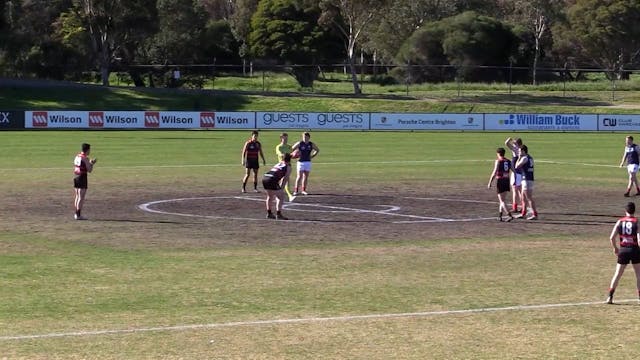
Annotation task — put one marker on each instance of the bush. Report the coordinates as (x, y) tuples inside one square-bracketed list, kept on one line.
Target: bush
[(384, 80)]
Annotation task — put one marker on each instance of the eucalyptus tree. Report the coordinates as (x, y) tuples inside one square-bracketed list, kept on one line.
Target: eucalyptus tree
[(537, 17), (113, 30), (351, 18), (240, 21)]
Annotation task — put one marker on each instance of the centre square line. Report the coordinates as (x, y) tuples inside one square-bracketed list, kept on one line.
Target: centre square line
[(306, 320)]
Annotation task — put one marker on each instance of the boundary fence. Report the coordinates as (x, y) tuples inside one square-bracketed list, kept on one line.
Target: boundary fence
[(354, 121)]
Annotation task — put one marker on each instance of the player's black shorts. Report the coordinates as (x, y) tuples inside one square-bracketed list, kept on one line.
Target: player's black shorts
[(81, 181), (252, 163), (270, 183), (629, 255), (502, 185)]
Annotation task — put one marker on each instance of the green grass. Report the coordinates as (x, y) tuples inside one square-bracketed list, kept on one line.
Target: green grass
[(58, 277), (280, 93)]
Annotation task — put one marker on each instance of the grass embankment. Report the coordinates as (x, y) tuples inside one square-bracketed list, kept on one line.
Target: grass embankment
[(240, 94)]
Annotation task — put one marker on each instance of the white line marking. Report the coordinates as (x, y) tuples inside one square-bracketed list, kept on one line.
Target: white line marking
[(379, 212), (147, 207), (576, 163), (304, 320), (181, 166), (443, 220), (335, 209)]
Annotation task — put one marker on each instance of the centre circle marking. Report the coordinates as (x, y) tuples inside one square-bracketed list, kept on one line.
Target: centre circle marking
[(387, 210)]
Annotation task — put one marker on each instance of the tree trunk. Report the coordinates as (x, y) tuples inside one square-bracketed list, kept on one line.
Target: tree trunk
[(352, 65), (536, 56), (104, 74)]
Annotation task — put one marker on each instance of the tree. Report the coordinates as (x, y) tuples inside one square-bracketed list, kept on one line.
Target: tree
[(606, 32), (288, 32), (29, 47), (400, 19), (219, 44), (240, 22), (537, 17), (351, 18), (218, 9), (466, 41), (112, 26), (180, 28)]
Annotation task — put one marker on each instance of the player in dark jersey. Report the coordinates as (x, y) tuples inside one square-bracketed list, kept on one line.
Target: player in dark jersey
[(82, 166), (516, 175), (632, 157), (307, 151), (274, 182), (525, 163), (250, 152), (501, 170), (628, 251)]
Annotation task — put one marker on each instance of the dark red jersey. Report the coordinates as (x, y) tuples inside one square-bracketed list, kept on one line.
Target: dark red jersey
[(628, 231), (277, 172), (504, 166), (253, 149)]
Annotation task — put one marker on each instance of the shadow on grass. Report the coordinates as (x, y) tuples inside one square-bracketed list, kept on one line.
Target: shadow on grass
[(529, 99), (145, 221), (91, 97)]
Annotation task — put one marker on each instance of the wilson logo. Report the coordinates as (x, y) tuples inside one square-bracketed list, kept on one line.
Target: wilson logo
[(96, 119), (152, 119), (40, 119), (207, 119)]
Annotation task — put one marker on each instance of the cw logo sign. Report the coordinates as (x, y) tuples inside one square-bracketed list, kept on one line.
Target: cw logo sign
[(609, 122)]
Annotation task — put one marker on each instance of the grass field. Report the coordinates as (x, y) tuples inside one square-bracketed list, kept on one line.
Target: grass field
[(583, 97), (137, 285)]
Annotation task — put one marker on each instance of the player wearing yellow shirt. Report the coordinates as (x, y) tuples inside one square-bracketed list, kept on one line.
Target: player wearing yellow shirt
[(282, 149)]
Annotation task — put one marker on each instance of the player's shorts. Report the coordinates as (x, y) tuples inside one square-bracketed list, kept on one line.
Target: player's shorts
[(502, 185), (252, 163), (516, 179), (81, 181), (269, 183), (632, 168), (304, 166), (629, 255), (527, 185)]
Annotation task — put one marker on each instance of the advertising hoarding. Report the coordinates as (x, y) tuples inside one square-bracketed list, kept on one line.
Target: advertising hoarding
[(312, 120), (541, 122), (391, 121)]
